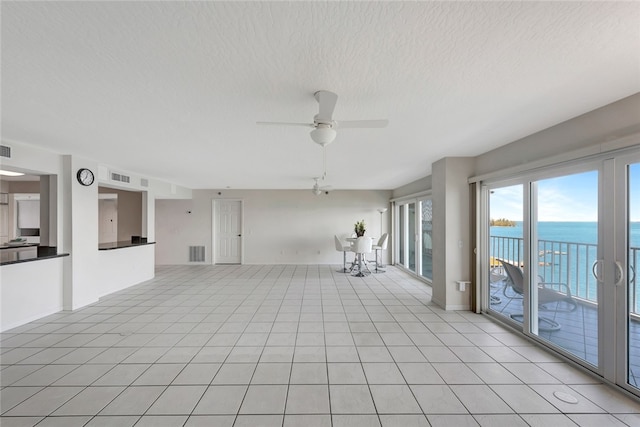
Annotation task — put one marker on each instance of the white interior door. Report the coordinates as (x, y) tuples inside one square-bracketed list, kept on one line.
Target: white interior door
[(108, 220), (227, 231)]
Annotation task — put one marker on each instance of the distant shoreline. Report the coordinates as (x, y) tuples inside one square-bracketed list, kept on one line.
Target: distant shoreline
[(502, 222)]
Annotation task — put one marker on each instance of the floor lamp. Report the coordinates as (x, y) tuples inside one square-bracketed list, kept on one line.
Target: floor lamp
[(381, 210)]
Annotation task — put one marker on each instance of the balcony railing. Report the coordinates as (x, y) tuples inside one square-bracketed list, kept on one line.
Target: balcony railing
[(567, 262)]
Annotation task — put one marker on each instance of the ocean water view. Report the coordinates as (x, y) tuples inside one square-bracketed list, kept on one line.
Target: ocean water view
[(563, 231), (566, 253)]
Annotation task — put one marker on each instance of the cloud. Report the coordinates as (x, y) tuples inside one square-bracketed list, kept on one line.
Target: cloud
[(506, 202)]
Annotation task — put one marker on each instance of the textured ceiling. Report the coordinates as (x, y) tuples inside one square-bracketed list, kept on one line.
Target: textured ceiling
[(173, 90)]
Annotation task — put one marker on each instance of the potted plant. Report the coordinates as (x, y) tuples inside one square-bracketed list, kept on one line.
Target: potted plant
[(360, 228)]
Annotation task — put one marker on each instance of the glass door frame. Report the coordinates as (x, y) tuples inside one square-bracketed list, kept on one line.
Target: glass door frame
[(619, 270), (485, 250), (401, 228), (420, 240), (416, 200), (603, 230)]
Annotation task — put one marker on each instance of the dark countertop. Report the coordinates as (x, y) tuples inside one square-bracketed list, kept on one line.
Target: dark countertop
[(122, 244), (30, 252), (24, 245)]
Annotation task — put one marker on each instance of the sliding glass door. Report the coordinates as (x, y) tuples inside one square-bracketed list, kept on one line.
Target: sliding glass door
[(414, 230), (506, 245), (401, 233), (426, 233), (564, 236), (560, 260), (411, 237)]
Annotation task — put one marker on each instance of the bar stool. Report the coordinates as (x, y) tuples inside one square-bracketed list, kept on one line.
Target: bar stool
[(361, 247), (381, 246), (341, 247)]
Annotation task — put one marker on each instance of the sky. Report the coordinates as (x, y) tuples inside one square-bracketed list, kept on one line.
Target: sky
[(566, 198)]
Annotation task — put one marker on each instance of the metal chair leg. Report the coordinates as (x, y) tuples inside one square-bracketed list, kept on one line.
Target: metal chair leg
[(359, 264), (378, 270), (344, 263)]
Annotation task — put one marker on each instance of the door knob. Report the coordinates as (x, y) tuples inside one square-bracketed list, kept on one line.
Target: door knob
[(239, 235)]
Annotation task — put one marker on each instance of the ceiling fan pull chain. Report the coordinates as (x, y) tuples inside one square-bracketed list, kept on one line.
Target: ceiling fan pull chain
[(324, 162)]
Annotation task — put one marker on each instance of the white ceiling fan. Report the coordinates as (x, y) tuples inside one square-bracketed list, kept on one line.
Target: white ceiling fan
[(324, 126)]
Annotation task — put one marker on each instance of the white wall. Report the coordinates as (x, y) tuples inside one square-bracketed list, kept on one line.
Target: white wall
[(97, 273), (120, 268), (451, 231), (589, 132), (84, 236), (279, 226), (30, 291), (418, 186)]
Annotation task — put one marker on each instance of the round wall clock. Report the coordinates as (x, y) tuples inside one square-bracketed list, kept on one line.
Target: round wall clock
[(85, 176)]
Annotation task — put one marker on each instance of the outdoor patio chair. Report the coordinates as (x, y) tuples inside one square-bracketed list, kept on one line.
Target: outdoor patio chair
[(548, 293)]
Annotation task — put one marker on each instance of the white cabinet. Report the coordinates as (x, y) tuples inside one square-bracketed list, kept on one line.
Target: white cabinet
[(4, 222), (28, 213)]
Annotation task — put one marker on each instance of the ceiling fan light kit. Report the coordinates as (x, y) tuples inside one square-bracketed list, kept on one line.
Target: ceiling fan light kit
[(323, 135)]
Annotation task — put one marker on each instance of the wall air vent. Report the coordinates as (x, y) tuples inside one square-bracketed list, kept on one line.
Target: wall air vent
[(144, 182), (196, 253), (119, 177), (5, 151)]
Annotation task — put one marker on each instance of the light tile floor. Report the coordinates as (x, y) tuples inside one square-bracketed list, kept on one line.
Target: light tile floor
[(287, 346)]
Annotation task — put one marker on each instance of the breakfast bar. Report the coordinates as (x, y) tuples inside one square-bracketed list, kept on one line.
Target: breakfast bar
[(28, 252)]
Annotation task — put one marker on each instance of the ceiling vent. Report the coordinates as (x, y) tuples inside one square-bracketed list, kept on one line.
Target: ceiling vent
[(119, 177), (5, 151), (144, 182)]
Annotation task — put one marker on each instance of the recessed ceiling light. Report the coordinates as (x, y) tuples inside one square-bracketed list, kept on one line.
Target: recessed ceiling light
[(10, 173)]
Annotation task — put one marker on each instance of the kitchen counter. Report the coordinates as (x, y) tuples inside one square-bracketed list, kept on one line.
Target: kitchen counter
[(122, 244), (24, 245), (27, 253)]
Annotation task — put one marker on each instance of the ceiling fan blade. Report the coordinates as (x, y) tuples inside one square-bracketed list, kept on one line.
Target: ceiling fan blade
[(346, 124), (327, 101), (308, 125)]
